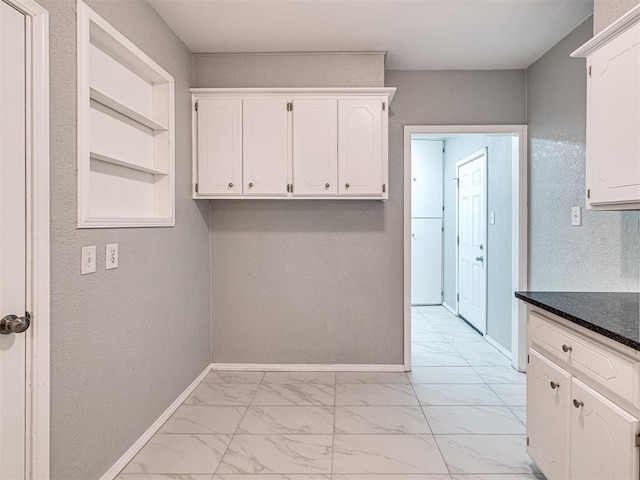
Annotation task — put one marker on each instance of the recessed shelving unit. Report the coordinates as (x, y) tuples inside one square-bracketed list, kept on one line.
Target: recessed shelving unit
[(126, 131)]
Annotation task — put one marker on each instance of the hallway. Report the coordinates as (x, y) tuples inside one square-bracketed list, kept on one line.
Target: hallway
[(459, 415)]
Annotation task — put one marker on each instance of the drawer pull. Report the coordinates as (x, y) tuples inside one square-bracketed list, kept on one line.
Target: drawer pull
[(230, 185), (555, 385), (566, 348), (577, 403)]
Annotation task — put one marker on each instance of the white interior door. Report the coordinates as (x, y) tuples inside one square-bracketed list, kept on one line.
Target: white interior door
[(426, 178), (12, 240), (472, 233), (426, 261)]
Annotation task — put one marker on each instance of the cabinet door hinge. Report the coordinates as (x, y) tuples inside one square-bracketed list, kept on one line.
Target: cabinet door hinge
[(290, 187), (528, 359), (196, 188), (589, 70), (588, 193), (289, 106), (384, 106), (637, 438), (384, 187), (196, 106)]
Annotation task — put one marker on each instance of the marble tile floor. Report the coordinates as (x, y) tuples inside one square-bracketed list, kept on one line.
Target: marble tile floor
[(459, 415)]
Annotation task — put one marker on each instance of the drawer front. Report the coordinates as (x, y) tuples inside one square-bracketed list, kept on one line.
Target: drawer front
[(602, 365)]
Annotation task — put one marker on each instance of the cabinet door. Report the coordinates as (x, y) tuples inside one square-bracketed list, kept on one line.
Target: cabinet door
[(360, 147), (603, 443), (219, 146), (264, 143), (613, 121), (315, 147), (548, 416)]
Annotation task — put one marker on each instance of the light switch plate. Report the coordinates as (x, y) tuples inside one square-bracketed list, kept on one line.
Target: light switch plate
[(576, 216), (111, 256), (492, 218), (88, 260)]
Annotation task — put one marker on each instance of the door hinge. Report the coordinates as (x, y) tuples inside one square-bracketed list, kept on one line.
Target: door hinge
[(384, 106), (290, 187), (589, 70), (588, 193), (196, 106), (528, 359), (637, 439), (384, 187), (527, 441), (196, 188), (457, 296), (457, 240), (289, 106)]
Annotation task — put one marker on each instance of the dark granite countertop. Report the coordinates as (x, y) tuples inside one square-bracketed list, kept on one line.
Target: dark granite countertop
[(612, 314)]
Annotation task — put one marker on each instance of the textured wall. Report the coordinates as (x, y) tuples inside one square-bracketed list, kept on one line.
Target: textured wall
[(498, 235), (321, 281), (603, 253), (607, 11), (124, 343), (288, 70)]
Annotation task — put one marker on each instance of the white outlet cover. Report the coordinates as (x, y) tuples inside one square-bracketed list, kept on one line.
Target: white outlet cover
[(88, 260), (111, 256)]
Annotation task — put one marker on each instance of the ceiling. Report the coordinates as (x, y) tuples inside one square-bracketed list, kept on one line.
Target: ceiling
[(417, 34)]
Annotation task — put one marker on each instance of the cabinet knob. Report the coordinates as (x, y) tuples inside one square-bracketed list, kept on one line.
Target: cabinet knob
[(346, 185), (251, 185), (326, 185), (230, 185), (577, 403), (555, 385), (566, 348)]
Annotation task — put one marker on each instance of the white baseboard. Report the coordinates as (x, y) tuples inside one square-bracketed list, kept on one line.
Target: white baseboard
[(498, 347), (146, 436), (297, 367), (451, 309)]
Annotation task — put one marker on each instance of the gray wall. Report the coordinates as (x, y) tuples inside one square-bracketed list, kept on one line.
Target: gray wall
[(124, 343), (321, 282), (498, 235), (603, 253), (607, 11), (288, 70)]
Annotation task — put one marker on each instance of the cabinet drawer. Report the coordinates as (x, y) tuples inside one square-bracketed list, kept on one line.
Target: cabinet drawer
[(604, 366)]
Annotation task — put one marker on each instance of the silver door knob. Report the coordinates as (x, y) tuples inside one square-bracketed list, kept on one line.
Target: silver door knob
[(577, 403), (555, 385), (14, 324), (346, 185), (326, 185), (230, 185), (479, 259), (566, 348)]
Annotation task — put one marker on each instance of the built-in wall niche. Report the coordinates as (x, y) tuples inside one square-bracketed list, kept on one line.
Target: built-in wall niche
[(125, 131)]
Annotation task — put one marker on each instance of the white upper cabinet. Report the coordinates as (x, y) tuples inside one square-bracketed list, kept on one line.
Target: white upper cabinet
[(613, 115), (312, 143), (360, 147), (315, 147), (219, 171), (265, 130)]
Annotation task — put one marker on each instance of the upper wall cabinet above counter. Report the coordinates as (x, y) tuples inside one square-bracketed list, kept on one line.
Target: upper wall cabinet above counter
[(613, 115), (309, 143)]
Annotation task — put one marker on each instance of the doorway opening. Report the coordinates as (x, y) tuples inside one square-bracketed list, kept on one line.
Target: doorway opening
[(466, 230)]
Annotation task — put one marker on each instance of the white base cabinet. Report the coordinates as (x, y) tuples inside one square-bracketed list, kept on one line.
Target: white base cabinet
[(291, 143), (578, 427)]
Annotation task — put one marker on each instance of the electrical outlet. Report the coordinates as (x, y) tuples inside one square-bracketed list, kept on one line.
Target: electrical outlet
[(576, 216), (111, 256), (88, 260)]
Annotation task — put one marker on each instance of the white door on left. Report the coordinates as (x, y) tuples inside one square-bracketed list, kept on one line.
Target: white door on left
[(12, 242)]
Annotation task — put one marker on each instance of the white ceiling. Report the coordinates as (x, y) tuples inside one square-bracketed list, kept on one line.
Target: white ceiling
[(417, 34)]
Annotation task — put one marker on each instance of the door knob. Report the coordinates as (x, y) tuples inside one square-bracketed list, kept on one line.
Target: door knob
[(555, 385), (251, 185), (346, 185), (577, 403), (14, 324), (326, 185), (230, 185), (566, 348), (479, 259)]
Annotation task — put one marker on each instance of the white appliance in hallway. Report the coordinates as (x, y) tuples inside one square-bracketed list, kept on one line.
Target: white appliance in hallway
[(472, 236), (12, 243), (426, 222)]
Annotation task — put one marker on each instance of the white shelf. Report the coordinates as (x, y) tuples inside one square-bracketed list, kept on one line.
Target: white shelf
[(114, 104), (125, 163)]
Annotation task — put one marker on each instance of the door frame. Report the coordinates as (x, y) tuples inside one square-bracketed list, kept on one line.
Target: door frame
[(519, 234), (38, 250), (470, 158)]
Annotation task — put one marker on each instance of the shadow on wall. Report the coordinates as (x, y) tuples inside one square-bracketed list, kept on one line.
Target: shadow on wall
[(299, 216)]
